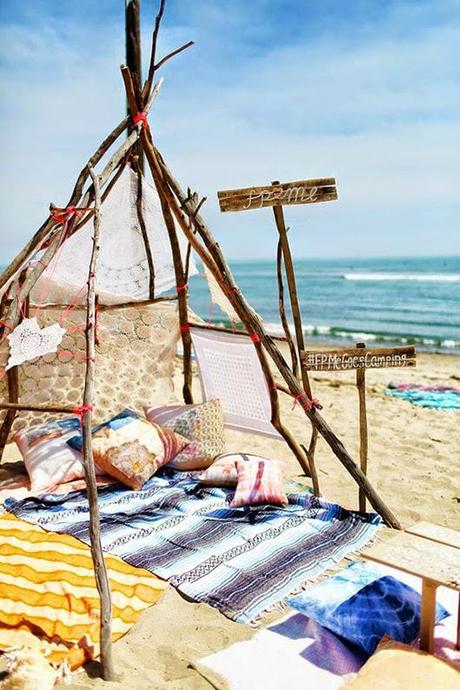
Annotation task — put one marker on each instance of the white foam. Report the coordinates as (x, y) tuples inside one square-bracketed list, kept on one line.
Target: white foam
[(420, 277)]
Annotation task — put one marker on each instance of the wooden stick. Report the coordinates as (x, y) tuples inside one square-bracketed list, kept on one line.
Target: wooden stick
[(212, 256), (13, 397), (296, 315), (111, 307), (222, 329), (102, 580), (145, 235), (428, 615), (361, 386), (59, 409), (173, 53), (153, 51), (282, 309), (134, 61), (176, 256)]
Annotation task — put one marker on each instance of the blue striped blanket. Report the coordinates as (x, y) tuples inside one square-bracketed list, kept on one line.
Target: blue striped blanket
[(242, 561)]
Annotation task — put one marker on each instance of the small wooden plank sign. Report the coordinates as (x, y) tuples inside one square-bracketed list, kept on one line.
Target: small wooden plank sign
[(364, 358), (283, 194)]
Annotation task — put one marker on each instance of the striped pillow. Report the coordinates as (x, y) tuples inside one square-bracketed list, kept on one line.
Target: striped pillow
[(259, 482)]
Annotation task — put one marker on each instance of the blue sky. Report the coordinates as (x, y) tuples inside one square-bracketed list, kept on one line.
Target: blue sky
[(366, 91)]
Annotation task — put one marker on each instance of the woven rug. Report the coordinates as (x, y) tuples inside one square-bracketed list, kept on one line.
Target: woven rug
[(242, 561)]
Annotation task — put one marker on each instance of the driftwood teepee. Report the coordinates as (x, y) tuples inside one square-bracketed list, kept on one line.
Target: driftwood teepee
[(181, 214)]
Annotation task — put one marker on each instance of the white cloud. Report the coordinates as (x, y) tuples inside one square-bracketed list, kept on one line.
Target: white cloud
[(378, 113)]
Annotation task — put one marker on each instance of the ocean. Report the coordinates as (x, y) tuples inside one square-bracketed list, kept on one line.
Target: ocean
[(379, 301)]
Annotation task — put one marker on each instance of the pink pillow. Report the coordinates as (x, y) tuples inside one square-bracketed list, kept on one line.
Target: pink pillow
[(49, 460), (223, 471), (259, 481)]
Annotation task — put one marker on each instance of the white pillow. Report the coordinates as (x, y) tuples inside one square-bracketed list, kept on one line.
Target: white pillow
[(49, 460)]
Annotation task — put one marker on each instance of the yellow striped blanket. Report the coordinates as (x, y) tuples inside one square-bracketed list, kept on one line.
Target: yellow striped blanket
[(48, 589)]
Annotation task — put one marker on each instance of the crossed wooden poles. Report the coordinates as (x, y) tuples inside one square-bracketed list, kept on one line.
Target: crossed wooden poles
[(183, 209)]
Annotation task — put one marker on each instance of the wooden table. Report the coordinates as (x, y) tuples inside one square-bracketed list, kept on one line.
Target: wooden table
[(430, 552)]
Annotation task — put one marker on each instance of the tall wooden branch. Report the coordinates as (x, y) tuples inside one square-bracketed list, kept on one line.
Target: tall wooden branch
[(153, 51), (102, 580), (133, 59), (282, 310), (212, 257), (145, 235), (181, 286)]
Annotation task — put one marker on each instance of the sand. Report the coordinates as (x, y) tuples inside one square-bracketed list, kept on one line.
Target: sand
[(414, 463)]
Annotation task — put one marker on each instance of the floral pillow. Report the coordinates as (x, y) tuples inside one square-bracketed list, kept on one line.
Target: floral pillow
[(132, 449), (48, 459), (361, 604), (202, 424), (223, 471), (259, 481)]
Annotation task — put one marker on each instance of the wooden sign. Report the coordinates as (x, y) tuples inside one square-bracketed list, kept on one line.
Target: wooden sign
[(363, 358), (288, 193)]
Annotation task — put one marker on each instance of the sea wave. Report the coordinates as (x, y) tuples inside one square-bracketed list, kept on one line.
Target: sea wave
[(335, 333), (421, 277)]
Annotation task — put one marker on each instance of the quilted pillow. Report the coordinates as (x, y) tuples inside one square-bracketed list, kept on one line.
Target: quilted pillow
[(223, 471), (132, 449), (47, 457), (362, 606), (202, 424), (259, 481)]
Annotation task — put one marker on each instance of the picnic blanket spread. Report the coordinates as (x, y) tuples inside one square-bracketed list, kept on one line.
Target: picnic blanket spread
[(242, 561), (48, 595), (434, 397)]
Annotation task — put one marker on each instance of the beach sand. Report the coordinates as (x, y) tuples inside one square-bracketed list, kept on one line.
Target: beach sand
[(413, 462)]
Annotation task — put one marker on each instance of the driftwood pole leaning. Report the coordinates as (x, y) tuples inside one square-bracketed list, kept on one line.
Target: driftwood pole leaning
[(100, 571), (212, 256)]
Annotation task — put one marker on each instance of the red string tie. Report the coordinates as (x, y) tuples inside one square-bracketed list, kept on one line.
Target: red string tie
[(140, 117), (181, 288), (255, 338), (81, 411), (62, 215), (6, 325), (185, 328), (307, 404)]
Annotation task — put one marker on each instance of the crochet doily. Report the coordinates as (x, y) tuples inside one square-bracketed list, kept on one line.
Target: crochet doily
[(28, 341)]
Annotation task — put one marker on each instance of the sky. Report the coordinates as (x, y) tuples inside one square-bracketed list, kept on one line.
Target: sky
[(366, 91)]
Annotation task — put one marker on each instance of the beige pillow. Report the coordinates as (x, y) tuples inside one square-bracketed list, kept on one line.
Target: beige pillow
[(201, 424), (396, 666)]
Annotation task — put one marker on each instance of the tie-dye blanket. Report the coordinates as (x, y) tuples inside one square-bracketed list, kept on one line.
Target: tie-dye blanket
[(434, 397), (242, 561)]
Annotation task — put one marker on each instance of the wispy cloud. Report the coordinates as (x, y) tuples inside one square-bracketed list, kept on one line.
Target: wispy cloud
[(370, 95)]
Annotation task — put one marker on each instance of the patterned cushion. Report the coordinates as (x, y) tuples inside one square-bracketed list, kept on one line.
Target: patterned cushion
[(47, 457), (223, 471), (131, 449), (202, 424), (259, 481), (362, 606)]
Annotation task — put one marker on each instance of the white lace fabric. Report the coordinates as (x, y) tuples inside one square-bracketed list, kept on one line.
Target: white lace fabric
[(28, 341), (122, 273)]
